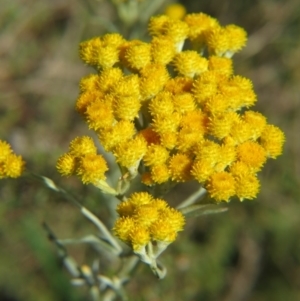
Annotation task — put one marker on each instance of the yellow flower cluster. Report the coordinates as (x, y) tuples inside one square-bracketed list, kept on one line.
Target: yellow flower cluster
[(180, 114), (82, 159), (144, 219), (11, 165)]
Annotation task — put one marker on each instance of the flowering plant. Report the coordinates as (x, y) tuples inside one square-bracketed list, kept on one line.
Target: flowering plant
[(170, 111)]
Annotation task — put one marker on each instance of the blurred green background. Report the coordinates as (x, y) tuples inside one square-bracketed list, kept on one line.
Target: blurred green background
[(252, 252)]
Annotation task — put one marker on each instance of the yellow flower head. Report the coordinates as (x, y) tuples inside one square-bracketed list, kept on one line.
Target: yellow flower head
[(179, 85), (129, 153), (202, 169), (161, 104), (81, 146), (5, 150), (159, 173), (221, 65), (221, 186), (139, 237), (247, 186), (137, 55), (155, 155), (175, 11), (91, 168), (225, 41), (251, 153), (120, 132), (257, 122), (205, 86), (140, 198), (272, 139), (184, 102), (166, 123), (189, 63), (66, 164), (123, 227), (87, 98), (99, 114), (180, 167), (162, 50), (98, 53), (198, 24), (11, 166), (152, 80), (108, 79)]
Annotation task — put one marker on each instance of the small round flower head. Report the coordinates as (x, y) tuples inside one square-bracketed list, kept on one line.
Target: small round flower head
[(257, 122), (247, 186), (221, 186), (239, 91), (189, 63), (220, 65), (175, 217), (225, 41), (139, 237), (89, 83), (140, 198), (91, 168), (241, 131), (125, 208), (11, 166), (127, 86), (99, 114), (160, 173), (179, 85), (126, 107), (175, 11), (155, 155), (108, 79), (161, 104), (227, 156), (87, 98), (137, 55), (180, 167), (5, 150), (217, 104), (81, 146), (205, 86), (272, 139), (129, 153), (196, 121), (187, 138), (166, 123), (156, 25), (184, 102), (113, 39), (97, 53), (219, 125), (168, 139), (198, 24), (66, 164), (145, 215), (162, 50), (161, 230), (120, 132), (251, 153), (240, 169), (202, 169), (122, 228), (208, 150), (152, 80)]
